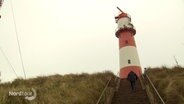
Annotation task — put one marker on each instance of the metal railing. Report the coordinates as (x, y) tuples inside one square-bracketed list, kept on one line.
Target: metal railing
[(106, 86), (103, 92), (155, 92)]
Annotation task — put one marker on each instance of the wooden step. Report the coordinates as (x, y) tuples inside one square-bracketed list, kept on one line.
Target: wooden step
[(125, 95)]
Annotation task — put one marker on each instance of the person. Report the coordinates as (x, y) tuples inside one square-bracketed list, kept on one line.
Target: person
[(132, 77)]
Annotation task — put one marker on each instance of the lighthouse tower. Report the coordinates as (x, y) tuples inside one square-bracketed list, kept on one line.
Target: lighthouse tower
[(128, 56)]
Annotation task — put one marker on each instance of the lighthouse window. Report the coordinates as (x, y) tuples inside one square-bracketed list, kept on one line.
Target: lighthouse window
[(129, 61), (126, 42)]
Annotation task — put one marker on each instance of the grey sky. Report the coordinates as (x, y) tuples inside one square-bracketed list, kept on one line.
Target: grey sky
[(67, 36)]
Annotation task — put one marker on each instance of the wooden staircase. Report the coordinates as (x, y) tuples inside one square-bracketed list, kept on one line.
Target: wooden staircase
[(125, 95)]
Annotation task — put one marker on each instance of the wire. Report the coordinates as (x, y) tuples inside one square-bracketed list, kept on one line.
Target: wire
[(1, 2), (8, 62), (23, 68)]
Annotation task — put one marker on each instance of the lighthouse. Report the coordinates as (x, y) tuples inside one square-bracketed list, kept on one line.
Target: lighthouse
[(128, 55)]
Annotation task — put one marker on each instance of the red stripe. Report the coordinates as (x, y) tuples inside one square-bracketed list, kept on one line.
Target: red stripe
[(125, 71), (126, 38)]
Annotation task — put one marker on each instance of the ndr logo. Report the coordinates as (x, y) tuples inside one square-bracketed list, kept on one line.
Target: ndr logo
[(29, 95)]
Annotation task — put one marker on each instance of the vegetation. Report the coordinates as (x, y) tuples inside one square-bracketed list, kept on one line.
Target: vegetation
[(169, 83), (57, 89)]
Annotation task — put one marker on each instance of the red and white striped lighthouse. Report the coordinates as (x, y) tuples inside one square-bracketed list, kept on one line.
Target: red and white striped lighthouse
[(129, 59)]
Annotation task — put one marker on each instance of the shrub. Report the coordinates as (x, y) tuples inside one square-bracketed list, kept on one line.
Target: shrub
[(169, 82), (57, 89)]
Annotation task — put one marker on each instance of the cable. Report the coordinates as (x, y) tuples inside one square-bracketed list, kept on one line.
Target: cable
[(8, 62), (1, 2), (23, 68)]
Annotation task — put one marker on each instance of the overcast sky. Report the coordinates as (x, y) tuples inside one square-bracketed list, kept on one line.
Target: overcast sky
[(74, 36)]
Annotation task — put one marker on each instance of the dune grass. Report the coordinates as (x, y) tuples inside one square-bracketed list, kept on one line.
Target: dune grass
[(169, 83), (58, 89)]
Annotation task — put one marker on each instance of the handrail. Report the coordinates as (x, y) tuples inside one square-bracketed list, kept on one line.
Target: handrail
[(118, 82), (142, 83), (103, 91), (107, 86), (117, 77), (155, 89)]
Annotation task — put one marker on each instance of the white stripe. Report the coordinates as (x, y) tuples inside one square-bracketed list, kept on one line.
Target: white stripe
[(128, 53)]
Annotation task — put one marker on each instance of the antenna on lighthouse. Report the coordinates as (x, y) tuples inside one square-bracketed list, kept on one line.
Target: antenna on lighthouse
[(120, 9)]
